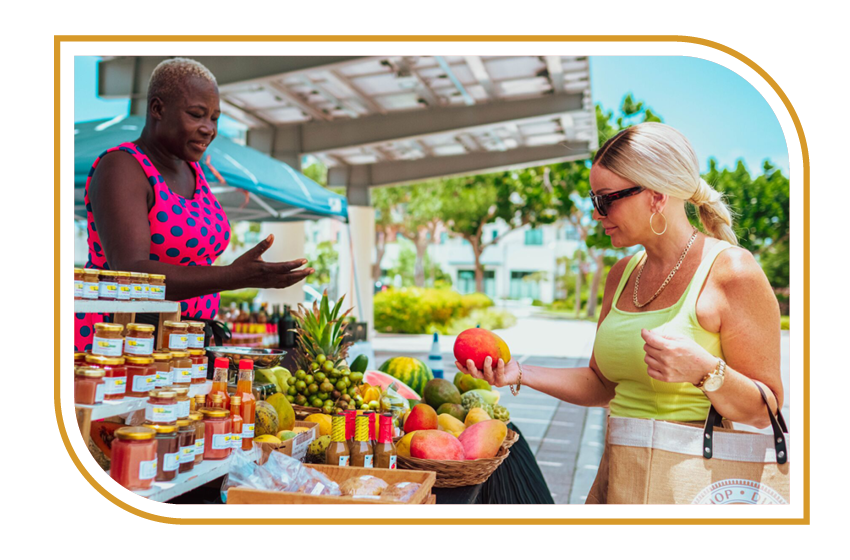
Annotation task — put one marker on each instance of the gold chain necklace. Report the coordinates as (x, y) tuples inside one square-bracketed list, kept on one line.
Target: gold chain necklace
[(669, 276)]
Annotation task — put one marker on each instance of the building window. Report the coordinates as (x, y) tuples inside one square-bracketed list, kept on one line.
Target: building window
[(466, 282), (521, 287), (534, 236)]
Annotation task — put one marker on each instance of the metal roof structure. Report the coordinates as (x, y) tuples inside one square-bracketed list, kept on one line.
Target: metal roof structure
[(387, 120)]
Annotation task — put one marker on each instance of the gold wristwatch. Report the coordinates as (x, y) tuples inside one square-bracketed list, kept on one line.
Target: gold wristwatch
[(713, 380)]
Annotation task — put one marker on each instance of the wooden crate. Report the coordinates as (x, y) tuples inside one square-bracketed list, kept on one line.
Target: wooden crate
[(339, 475)]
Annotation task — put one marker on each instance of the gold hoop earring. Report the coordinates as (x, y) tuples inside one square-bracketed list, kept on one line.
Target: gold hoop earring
[(652, 228)]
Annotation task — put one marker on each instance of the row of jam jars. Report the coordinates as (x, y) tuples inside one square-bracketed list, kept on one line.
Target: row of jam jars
[(116, 285)]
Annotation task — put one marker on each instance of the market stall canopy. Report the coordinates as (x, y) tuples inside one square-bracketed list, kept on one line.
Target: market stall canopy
[(249, 185)]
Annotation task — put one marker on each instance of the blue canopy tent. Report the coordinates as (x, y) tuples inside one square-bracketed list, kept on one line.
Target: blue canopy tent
[(248, 184)]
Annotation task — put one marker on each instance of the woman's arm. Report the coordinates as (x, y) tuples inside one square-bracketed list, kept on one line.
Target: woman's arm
[(750, 338), (585, 386), (121, 197)]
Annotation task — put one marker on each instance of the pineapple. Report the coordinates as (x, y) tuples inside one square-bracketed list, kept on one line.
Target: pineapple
[(323, 380)]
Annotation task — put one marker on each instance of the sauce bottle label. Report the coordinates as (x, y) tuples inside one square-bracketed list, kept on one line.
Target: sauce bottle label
[(78, 289), (183, 408), (144, 383), (187, 454), (108, 290), (199, 445), (221, 441), (236, 441), (368, 461), (178, 341), (99, 392), (182, 375), (247, 431), (343, 461), (196, 341), (90, 290), (199, 371), (393, 461), (147, 469), (170, 461), (138, 346), (160, 413), (114, 385), (124, 291), (107, 346)]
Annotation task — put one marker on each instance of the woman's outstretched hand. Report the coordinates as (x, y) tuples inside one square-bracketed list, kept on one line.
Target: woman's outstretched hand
[(503, 374), (254, 272)]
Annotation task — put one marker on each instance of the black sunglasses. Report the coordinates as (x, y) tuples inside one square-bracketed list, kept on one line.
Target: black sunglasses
[(602, 202)]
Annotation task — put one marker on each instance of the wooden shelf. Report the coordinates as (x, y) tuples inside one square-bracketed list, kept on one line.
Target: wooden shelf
[(105, 306)]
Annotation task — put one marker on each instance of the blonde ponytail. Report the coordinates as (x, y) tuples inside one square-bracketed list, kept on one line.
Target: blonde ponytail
[(659, 157), (714, 214)]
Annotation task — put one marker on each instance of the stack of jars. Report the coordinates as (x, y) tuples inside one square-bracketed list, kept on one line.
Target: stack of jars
[(117, 285)]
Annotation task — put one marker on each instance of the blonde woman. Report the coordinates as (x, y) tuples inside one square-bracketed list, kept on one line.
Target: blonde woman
[(688, 322)]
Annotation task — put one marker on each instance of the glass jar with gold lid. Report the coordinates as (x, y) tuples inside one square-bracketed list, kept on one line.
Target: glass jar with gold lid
[(107, 285), (108, 339), (200, 364), (156, 287), (167, 452), (91, 283), (162, 365), (196, 335), (125, 287), (114, 375), (134, 457), (141, 375), (79, 281), (181, 368), (197, 420), (139, 283), (183, 400), (175, 335), (139, 340)]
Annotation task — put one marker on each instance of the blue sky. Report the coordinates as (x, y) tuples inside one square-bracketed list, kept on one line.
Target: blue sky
[(721, 113)]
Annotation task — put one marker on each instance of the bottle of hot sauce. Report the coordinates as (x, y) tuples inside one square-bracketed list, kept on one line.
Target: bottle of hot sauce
[(337, 453), (219, 384), (235, 422), (244, 388), (361, 450), (386, 456)]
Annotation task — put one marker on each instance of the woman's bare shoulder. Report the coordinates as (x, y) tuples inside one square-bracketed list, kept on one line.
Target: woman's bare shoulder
[(740, 277), (120, 169)]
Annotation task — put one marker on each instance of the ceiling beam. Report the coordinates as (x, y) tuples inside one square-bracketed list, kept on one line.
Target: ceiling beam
[(398, 172), (556, 73), (115, 76), (378, 129), (476, 65)]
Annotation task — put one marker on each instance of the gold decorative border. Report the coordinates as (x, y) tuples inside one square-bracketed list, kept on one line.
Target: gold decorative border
[(59, 39)]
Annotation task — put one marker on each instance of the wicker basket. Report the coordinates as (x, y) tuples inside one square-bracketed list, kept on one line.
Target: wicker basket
[(452, 474), (302, 412)]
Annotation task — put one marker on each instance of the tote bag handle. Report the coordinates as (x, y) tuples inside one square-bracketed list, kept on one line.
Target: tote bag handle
[(776, 422)]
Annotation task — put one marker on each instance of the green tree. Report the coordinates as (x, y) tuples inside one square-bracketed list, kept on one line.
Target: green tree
[(516, 198), (323, 261), (419, 209)]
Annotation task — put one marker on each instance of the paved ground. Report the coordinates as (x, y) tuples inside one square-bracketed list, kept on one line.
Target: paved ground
[(566, 439)]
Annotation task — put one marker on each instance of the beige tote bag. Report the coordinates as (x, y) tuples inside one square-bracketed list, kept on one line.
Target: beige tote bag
[(658, 462)]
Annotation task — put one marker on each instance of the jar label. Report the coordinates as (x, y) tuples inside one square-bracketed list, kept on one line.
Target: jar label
[(183, 409), (138, 346), (156, 293), (144, 383), (164, 378), (196, 341), (90, 290), (393, 461), (147, 469), (146, 289), (199, 445), (170, 461), (178, 341), (108, 290), (187, 454), (182, 375), (115, 385), (107, 346), (99, 392), (221, 441), (78, 289), (124, 291), (247, 431), (138, 291), (199, 371), (160, 413), (236, 441), (343, 461)]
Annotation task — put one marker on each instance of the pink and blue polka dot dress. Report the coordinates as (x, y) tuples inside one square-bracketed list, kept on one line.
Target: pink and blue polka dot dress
[(184, 231)]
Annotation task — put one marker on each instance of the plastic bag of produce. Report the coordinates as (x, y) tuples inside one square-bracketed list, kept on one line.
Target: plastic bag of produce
[(292, 476), (244, 471), (394, 403)]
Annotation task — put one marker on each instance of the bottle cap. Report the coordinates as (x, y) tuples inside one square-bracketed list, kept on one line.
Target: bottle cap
[(246, 364), (222, 363)]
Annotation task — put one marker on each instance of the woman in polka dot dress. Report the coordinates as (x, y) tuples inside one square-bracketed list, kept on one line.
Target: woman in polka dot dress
[(150, 209)]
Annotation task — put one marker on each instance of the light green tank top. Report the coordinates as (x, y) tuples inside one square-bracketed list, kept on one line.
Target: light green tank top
[(619, 352)]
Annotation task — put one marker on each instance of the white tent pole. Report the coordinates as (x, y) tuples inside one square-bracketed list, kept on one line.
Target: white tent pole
[(354, 269)]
